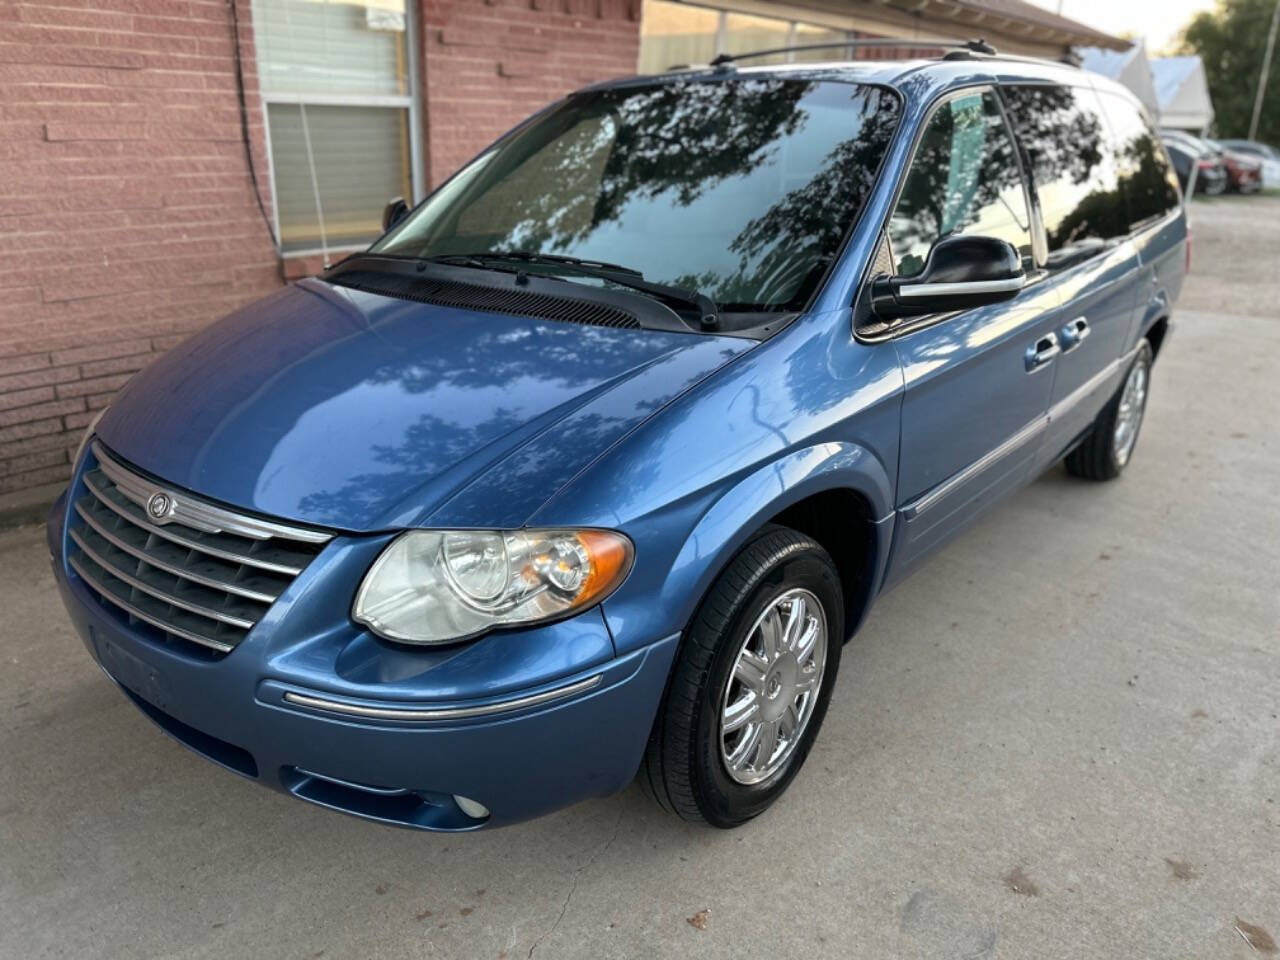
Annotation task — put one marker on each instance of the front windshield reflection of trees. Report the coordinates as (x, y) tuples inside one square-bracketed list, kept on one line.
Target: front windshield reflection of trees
[(740, 188)]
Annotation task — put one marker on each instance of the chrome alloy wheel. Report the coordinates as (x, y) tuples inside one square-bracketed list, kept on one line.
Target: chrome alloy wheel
[(1133, 402), (774, 687)]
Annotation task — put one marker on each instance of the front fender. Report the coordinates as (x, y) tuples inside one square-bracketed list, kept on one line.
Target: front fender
[(666, 600)]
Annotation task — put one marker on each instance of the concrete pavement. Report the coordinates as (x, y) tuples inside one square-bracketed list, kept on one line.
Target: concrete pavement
[(1059, 739)]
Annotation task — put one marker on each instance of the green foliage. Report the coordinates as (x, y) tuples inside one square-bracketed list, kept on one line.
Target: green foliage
[(1232, 40)]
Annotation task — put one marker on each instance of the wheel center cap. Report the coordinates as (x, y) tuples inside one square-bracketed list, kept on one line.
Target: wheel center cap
[(779, 687)]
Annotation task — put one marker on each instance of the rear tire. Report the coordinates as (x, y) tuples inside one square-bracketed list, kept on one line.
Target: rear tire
[(779, 593), (1107, 449)]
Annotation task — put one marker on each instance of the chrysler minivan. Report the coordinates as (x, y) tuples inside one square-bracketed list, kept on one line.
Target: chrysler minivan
[(587, 469)]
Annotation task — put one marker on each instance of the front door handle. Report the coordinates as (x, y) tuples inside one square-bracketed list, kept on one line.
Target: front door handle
[(1042, 351), (1073, 334)]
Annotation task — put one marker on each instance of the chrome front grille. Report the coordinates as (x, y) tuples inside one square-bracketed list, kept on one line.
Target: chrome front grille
[(197, 572)]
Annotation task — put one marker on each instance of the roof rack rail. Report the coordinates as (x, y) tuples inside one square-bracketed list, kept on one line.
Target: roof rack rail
[(969, 54), (967, 46)]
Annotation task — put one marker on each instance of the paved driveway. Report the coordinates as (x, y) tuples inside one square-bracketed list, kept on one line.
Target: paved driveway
[(1060, 739)]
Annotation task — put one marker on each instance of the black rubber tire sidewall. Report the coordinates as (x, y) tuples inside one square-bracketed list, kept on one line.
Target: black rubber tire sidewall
[(1095, 457), (721, 800)]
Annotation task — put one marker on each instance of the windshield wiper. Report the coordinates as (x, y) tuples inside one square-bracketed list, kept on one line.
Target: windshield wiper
[(482, 259), (707, 310), (476, 261), (529, 256)]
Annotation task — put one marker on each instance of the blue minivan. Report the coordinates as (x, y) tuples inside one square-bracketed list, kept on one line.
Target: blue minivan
[(590, 465)]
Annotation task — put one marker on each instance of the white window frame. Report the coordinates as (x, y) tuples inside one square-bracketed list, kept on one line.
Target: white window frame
[(411, 101)]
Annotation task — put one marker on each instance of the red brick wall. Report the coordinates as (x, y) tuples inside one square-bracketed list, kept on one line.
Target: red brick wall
[(127, 215), (491, 63)]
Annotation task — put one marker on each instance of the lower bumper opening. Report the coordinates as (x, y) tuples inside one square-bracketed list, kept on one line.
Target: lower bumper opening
[(400, 806), (220, 752)]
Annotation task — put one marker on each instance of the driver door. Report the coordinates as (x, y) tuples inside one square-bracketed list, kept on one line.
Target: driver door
[(978, 383)]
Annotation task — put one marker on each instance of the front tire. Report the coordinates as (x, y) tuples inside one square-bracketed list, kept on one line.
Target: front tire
[(750, 685), (1108, 447)]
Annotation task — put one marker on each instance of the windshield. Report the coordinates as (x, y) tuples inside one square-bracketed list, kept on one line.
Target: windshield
[(739, 188)]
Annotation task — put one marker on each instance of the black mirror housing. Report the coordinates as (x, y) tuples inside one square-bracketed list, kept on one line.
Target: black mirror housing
[(960, 273), (393, 213)]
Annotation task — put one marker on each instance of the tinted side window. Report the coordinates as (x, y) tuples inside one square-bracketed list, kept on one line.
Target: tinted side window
[(964, 179), (1150, 186), (1073, 164)]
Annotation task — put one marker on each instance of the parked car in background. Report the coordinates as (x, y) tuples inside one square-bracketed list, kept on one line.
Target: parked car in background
[(1244, 172), (1268, 155), (1188, 155), (592, 463)]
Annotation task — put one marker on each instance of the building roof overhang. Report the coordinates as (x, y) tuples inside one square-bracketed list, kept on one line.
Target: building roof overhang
[(1014, 20)]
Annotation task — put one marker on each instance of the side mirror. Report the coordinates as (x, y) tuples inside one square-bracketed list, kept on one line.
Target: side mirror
[(393, 213), (960, 273)]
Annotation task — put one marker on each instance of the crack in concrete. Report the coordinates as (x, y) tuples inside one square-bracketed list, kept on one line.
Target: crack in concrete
[(573, 886)]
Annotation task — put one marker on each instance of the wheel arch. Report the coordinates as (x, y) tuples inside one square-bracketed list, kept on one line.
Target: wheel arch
[(840, 520), (822, 491), (1155, 332)]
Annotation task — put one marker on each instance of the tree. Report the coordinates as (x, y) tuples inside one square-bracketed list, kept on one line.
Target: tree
[(1231, 41)]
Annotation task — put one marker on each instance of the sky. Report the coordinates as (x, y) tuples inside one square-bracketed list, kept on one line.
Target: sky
[(1157, 21)]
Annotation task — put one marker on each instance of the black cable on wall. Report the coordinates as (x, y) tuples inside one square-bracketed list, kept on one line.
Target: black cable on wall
[(244, 123)]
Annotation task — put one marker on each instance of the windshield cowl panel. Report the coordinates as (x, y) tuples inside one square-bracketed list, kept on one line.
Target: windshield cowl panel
[(739, 189), (501, 289)]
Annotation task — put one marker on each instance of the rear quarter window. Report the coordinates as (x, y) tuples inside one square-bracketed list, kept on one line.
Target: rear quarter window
[(1150, 186)]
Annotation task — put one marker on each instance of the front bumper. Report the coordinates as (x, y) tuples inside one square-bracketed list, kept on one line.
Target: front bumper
[(385, 742)]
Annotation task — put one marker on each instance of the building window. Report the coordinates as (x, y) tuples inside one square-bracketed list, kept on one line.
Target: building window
[(744, 33), (338, 88), (673, 34), (807, 34)]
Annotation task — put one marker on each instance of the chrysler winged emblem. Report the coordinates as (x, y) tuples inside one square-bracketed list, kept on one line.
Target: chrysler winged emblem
[(160, 507)]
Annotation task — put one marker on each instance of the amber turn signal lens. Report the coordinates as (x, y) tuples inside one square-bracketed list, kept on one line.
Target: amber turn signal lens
[(610, 558)]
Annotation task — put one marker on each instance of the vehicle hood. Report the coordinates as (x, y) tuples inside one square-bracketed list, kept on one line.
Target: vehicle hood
[(361, 412)]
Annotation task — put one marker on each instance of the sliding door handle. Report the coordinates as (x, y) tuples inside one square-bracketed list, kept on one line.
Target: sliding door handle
[(1073, 334), (1042, 351)]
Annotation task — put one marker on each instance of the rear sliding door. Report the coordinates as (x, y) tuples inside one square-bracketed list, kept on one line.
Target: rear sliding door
[(1077, 168)]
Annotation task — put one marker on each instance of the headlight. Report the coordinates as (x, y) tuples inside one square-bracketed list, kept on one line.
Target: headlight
[(438, 586), (88, 433)]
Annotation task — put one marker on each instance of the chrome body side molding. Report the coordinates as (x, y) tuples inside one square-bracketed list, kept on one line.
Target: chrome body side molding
[(414, 714), (1028, 433), (939, 493)]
